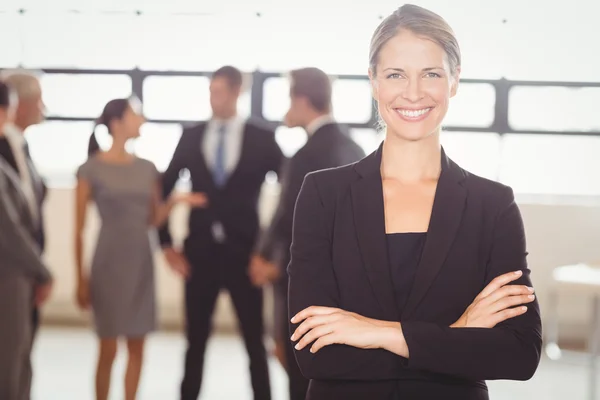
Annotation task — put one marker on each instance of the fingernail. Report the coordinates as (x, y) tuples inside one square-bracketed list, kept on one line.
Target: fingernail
[(524, 308), (531, 297), (312, 350), (293, 320), (518, 272), (297, 346), (293, 338), (530, 289)]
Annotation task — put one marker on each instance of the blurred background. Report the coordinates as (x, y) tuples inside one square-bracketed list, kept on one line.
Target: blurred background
[(526, 114)]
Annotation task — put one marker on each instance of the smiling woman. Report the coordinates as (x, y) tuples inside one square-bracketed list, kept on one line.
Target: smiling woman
[(408, 275)]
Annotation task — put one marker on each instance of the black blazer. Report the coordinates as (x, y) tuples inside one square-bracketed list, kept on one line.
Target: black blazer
[(330, 146), (339, 259), (38, 184), (235, 205)]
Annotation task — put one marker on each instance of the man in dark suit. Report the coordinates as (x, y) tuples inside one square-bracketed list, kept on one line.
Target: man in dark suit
[(328, 145), (227, 158), (15, 151), (20, 269)]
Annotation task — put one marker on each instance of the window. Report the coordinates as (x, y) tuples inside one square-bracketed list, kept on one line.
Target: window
[(337, 43), (197, 42), (473, 106), (535, 48), (352, 101), (290, 140), (182, 98), (368, 139), (82, 95), (554, 108), (58, 149), (11, 49), (157, 143), (551, 164), (477, 152), (52, 39), (276, 98)]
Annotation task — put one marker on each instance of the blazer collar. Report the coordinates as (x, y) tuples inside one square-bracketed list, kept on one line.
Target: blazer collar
[(369, 216)]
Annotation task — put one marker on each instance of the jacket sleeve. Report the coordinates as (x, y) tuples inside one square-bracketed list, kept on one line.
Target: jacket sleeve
[(512, 349), (312, 282), (18, 248), (169, 179)]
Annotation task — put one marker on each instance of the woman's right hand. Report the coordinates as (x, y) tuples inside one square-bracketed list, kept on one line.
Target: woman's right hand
[(192, 199), (496, 303), (83, 294)]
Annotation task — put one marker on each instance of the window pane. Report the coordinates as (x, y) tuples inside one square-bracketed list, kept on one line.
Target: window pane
[(336, 45), (546, 164), (477, 152), (554, 108), (11, 49), (290, 140), (536, 49), (73, 40), (82, 95), (276, 98), (197, 42), (183, 98), (473, 106), (58, 149), (157, 143), (176, 97), (368, 139), (352, 101)]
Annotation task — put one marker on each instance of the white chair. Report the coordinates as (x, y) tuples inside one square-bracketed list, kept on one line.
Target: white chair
[(576, 280)]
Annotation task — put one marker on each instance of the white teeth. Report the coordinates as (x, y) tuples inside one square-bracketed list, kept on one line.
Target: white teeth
[(413, 113)]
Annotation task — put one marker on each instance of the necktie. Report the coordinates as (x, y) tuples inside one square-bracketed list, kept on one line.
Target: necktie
[(219, 171)]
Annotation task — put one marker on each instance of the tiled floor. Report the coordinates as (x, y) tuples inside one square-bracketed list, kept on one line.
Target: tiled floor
[(64, 366)]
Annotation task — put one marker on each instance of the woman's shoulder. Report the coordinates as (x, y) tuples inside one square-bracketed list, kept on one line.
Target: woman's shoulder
[(334, 178), (488, 190)]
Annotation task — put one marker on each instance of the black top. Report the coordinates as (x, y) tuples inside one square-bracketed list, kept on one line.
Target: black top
[(404, 252)]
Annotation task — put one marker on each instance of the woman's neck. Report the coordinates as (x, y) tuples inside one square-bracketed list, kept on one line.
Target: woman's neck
[(118, 150), (411, 161)]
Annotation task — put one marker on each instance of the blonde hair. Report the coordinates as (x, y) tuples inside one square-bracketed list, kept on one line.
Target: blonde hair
[(421, 22), (24, 82)]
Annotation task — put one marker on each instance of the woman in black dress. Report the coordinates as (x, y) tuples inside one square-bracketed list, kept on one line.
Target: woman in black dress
[(408, 274)]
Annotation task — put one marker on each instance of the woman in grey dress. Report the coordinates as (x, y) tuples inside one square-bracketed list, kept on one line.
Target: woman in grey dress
[(120, 288)]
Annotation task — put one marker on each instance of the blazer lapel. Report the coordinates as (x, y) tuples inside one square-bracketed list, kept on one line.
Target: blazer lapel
[(367, 204), (448, 207)]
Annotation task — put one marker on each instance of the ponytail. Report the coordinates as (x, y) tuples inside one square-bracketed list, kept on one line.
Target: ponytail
[(93, 146)]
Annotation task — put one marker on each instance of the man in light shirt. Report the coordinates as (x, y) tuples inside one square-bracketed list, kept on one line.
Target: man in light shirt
[(227, 158), (15, 151)]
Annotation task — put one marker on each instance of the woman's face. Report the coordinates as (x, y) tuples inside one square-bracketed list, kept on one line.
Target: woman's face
[(132, 121), (413, 85)]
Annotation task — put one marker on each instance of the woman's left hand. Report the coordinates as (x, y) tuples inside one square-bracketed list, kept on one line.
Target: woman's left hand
[(326, 325)]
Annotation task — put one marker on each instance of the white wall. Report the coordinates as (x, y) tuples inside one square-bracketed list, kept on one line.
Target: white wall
[(557, 234)]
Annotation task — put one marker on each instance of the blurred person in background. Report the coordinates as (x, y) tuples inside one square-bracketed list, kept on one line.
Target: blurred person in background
[(228, 158), (15, 151), (329, 145), (120, 287), (21, 271)]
